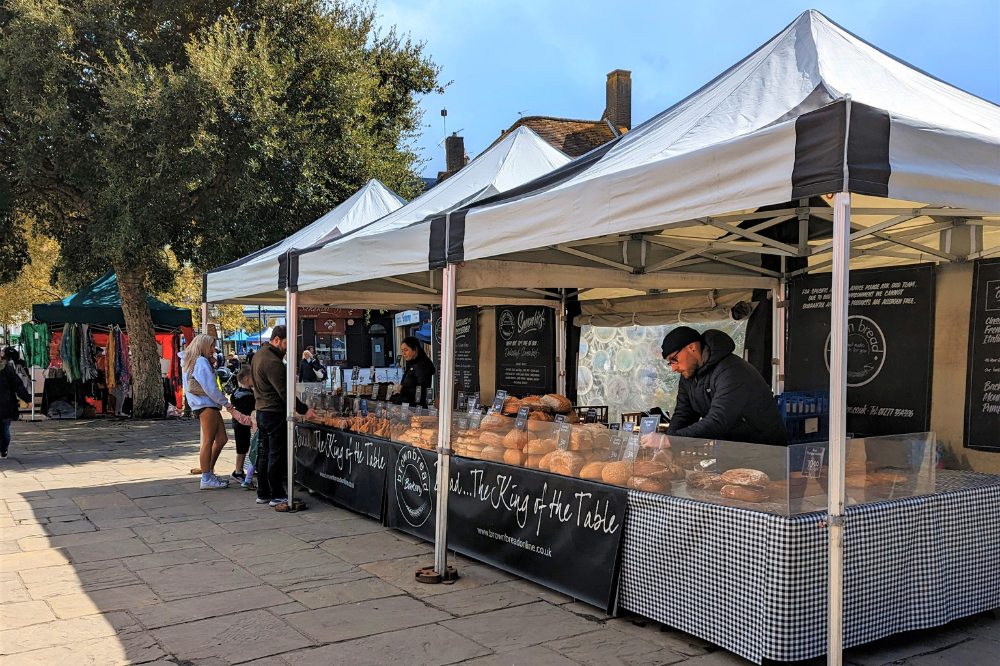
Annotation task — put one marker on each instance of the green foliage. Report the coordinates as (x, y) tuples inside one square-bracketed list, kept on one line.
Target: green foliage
[(213, 127)]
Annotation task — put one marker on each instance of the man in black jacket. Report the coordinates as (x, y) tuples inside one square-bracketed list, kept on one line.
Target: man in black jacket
[(11, 388), (720, 395)]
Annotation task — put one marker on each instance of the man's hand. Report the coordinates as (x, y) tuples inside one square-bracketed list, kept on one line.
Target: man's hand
[(310, 414), (399, 388), (655, 440)]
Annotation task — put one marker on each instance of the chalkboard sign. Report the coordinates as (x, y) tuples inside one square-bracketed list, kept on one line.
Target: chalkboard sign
[(890, 346), (346, 468), (466, 347), (526, 341), (982, 408)]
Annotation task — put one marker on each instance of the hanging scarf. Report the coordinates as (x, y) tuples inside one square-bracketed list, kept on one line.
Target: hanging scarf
[(66, 352), (109, 362)]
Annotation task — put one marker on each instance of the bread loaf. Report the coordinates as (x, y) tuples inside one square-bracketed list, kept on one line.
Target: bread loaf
[(533, 461), (515, 439), (496, 423), (494, 453), (546, 459), (540, 416), (546, 428), (705, 480), (592, 471), (755, 494), (490, 438), (601, 437), (567, 463), (888, 478), (510, 406), (557, 403), (617, 472), (515, 457), (746, 477), (649, 485), (541, 446), (580, 439)]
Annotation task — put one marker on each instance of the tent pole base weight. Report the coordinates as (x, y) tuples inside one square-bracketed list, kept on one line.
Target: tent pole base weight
[(429, 576)]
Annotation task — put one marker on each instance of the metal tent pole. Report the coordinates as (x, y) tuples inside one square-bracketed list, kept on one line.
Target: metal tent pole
[(204, 318), (448, 300), (291, 326), (779, 311), (561, 342)]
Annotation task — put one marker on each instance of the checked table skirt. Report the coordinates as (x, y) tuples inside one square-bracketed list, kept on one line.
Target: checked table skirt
[(756, 583)]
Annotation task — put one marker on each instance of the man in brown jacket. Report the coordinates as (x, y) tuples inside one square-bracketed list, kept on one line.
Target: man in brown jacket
[(270, 388)]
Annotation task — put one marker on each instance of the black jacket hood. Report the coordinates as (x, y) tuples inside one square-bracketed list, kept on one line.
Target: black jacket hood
[(717, 346)]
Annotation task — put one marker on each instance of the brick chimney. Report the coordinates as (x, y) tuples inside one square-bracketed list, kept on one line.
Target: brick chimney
[(619, 98), (454, 149)]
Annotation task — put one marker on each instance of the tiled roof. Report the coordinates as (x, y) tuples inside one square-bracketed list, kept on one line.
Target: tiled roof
[(573, 137)]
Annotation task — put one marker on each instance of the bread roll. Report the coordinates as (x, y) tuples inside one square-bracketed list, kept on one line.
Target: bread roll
[(580, 440), (546, 459), (649, 485), (592, 471), (540, 416), (601, 437), (535, 404), (514, 457), (705, 480), (595, 455), (494, 453), (496, 423), (651, 469), (541, 446), (617, 472), (567, 463), (755, 494), (515, 439), (490, 438), (557, 403), (746, 477), (541, 427), (533, 461)]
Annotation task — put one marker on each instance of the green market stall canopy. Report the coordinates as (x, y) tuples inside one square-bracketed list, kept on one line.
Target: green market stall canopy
[(100, 303)]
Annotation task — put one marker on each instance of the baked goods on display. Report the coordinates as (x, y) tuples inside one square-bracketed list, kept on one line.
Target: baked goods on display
[(753, 494), (515, 457), (559, 404), (592, 471), (567, 463), (494, 453), (496, 422), (515, 439), (705, 480), (534, 403), (617, 473), (543, 464), (745, 477), (541, 446), (510, 406), (649, 485)]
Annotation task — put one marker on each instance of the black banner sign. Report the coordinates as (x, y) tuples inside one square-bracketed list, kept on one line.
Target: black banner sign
[(526, 350), (466, 347), (558, 531), (890, 346), (982, 408), (346, 468)]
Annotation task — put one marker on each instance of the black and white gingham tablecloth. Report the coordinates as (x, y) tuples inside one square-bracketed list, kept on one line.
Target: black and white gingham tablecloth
[(756, 583)]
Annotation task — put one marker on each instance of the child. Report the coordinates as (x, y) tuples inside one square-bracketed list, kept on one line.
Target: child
[(243, 402)]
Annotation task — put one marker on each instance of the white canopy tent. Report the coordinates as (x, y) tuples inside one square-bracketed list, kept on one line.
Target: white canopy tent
[(254, 278), (693, 197)]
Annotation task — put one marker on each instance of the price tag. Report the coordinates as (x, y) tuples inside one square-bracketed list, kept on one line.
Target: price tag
[(649, 424), (498, 399), (430, 396), (461, 401), (628, 426), (522, 419), (812, 464), (617, 446), (560, 418), (405, 410), (475, 400), (631, 448), (476, 419), (565, 434), (419, 396), (364, 408), (355, 373), (432, 411), (591, 416), (463, 423), (615, 426), (382, 408)]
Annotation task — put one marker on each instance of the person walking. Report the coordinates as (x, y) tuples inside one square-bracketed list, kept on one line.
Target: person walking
[(11, 388), (207, 402), (270, 387), (310, 369)]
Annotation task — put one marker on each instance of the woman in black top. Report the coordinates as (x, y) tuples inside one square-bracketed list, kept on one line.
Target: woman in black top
[(310, 369), (419, 372)]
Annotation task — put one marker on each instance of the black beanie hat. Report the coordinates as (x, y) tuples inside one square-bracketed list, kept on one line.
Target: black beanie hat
[(678, 339)]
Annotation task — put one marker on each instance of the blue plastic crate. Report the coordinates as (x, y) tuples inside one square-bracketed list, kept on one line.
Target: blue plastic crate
[(806, 415)]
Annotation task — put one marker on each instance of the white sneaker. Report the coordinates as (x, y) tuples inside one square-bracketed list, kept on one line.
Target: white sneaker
[(214, 483)]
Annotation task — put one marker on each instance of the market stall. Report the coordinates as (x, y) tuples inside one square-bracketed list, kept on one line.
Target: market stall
[(82, 345), (816, 152)]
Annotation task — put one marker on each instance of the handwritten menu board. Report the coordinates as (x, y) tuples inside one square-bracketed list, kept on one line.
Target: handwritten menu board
[(889, 346), (982, 408), (526, 342), (466, 347)]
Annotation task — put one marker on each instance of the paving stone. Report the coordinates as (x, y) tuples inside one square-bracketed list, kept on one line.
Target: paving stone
[(37, 543), (653, 632), (321, 531), (537, 655), (190, 529), (543, 593), (373, 548), (67, 579), (172, 557), (400, 573), (720, 658), (421, 646), (302, 567), (109, 550), (974, 651), (522, 626), (288, 609), (101, 601), (338, 623), (45, 512), (199, 578), (58, 632), (21, 614), (607, 647), (902, 646), (270, 521), (344, 593), (21, 532), (33, 560), (481, 599), (109, 651), (210, 605), (256, 544), (113, 516), (235, 638)]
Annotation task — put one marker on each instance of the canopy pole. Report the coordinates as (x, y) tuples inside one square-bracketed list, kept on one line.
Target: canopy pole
[(561, 342), (204, 318), (448, 307), (779, 310), (291, 325)]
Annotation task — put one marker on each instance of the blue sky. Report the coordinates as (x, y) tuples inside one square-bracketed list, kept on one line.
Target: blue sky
[(550, 57)]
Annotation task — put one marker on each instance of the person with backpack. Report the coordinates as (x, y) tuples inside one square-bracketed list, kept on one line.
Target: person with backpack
[(11, 388)]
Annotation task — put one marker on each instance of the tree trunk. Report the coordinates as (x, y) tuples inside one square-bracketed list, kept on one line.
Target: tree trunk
[(147, 386)]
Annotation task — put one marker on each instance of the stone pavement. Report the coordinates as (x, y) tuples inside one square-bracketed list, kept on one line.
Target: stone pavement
[(110, 555)]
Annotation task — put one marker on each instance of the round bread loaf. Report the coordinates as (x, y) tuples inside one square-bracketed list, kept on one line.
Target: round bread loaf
[(617, 472), (595, 455), (515, 457), (675, 472), (546, 459), (567, 463), (746, 477), (535, 404), (888, 478), (557, 403), (705, 480), (533, 461), (496, 423), (592, 471), (493, 453), (649, 485), (541, 446), (601, 437), (515, 439), (755, 494), (540, 416), (542, 427), (510, 406), (490, 438), (580, 439), (651, 469)]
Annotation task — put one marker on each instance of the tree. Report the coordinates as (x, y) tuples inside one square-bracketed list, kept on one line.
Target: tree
[(32, 284), (213, 127)]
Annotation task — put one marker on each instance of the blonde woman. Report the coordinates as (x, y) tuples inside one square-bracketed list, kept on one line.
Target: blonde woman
[(207, 402)]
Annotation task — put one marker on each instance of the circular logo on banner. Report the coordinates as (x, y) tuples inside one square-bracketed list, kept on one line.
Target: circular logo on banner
[(413, 487), (437, 331), (865, 350), (506, 324)]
